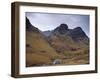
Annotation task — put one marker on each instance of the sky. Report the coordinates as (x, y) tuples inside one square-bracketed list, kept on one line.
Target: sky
[(49, 21)]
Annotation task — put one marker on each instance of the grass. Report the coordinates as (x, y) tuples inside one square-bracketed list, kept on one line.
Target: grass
[(36, 60), (39, 52)]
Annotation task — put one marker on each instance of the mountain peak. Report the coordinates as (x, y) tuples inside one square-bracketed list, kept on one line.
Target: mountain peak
[(30, 27), (62, 28), (78, 33), (78, 29)]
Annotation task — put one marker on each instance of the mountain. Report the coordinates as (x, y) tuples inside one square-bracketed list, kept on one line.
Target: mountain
[(30, 27), (62, 29), (61, 46), (47, 33), (76, 34), (71, 43), (38, 50)]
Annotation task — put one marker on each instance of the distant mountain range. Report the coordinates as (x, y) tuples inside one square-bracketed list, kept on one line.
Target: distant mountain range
[(59, 46)]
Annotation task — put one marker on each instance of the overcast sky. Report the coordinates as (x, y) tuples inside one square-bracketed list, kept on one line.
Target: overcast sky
[(49, 21)]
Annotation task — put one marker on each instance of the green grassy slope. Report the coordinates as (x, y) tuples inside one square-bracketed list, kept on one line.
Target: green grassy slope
[(38, 50)]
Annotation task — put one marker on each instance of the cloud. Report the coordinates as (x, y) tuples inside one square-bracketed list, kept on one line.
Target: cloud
[(49, 21)]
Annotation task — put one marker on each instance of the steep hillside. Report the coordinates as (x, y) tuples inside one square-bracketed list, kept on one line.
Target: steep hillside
[(38, 51), (73, 44), (61, 46)]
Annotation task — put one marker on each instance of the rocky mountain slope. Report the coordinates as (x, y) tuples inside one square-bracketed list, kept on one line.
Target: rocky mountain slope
[(71, 43), (57, 47), (38, 51)]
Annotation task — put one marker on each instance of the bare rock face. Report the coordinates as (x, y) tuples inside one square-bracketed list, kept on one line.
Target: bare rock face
[(63, 28), (30, 27), (78, 34)]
